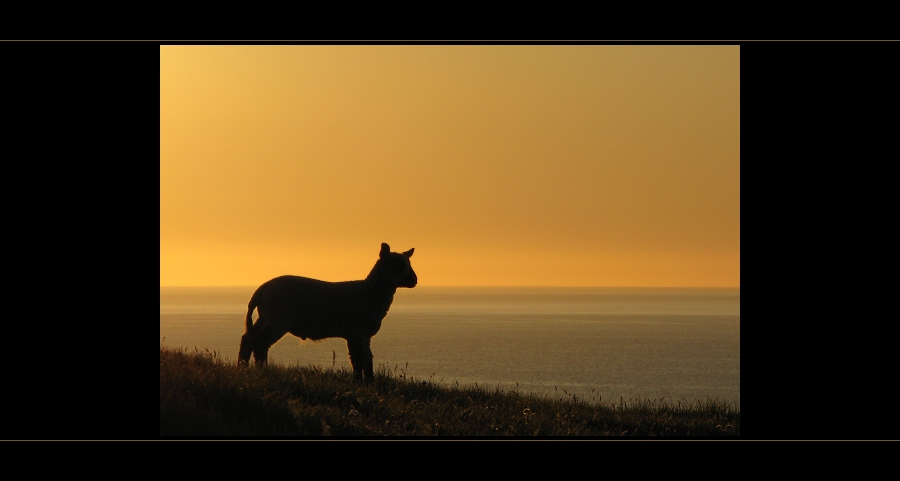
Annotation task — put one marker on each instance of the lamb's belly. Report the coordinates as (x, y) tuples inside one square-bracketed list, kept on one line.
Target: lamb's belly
[(335, 327), (317, 329)]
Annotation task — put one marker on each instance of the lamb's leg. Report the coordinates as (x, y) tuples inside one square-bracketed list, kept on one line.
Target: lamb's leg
[(246, 349), (361, 359), (266, 335), (247, 342), (368, 368)]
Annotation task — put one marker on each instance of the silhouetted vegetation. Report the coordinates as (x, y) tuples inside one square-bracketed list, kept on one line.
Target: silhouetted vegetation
[(203, 396)]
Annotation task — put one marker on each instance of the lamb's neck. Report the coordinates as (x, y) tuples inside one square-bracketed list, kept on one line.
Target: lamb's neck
[(378, 287), (381, 295)]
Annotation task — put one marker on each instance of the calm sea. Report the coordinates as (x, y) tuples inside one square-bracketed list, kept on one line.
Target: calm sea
[(602, 345)]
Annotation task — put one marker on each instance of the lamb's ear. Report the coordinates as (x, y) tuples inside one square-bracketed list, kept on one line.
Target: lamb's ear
[(385, 250), (409, 252)]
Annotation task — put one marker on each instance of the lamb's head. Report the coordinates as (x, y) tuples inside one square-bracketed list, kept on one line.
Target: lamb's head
[(395, 268)]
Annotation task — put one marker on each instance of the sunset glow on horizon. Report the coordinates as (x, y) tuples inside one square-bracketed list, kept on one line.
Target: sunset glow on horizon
[(502, 165)]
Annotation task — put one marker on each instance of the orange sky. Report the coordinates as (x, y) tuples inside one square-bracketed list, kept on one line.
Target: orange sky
[(588, 165)]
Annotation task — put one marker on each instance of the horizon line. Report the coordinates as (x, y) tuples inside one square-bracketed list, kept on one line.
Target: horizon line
[(495, 285)]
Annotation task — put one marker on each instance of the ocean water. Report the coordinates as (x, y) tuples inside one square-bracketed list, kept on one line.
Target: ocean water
[(601, 345)]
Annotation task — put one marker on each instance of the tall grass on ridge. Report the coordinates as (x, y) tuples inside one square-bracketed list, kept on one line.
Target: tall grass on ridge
[(202, 395)]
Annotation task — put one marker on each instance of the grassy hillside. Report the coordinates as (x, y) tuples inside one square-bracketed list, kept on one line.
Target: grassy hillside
[(201, 396)]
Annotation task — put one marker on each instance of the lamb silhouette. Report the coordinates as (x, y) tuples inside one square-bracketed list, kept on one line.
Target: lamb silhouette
[(315, 309)]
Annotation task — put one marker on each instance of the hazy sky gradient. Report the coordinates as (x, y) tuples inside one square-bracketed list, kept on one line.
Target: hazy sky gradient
[(502, 165)]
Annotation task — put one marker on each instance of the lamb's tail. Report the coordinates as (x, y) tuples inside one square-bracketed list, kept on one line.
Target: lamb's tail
[(250, 306)]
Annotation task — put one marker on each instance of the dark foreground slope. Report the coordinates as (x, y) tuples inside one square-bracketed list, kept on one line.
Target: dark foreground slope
[(201, 396)]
